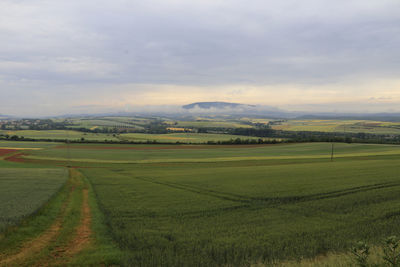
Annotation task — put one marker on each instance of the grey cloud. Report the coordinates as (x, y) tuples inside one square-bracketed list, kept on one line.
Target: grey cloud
[(84, 43)]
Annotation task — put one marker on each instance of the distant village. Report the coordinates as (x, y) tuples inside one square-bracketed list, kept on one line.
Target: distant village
[(30, 124)]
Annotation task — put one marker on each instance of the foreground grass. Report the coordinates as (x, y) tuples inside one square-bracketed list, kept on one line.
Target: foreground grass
[(32, 227), (332, 259), (245, 212), (24, 190), (53, 236), (103, 248), (294, 207)]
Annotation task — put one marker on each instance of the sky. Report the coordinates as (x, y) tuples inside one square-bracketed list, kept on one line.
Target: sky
[(92, 56)]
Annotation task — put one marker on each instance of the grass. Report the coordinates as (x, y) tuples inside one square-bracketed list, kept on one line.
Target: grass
[(64, 210), (33, 226), (194, 138), (103, 250), (212, 214), (24, 190), (348, 126), (197, 205), (24, 145), (185, 153), (60, 135), (106, 122)]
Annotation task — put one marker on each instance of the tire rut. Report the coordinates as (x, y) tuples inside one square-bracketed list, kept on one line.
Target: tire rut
[(81, 238), (34, 246)]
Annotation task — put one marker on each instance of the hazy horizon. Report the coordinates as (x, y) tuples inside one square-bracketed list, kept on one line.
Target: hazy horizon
[(71, 57)]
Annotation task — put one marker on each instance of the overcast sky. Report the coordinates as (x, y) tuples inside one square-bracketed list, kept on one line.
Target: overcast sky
[(59, 56)]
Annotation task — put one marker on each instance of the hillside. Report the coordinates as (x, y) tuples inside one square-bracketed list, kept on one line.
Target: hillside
[(216, 105)]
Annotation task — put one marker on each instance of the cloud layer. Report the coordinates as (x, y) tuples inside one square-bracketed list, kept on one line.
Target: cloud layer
[(58, 55)]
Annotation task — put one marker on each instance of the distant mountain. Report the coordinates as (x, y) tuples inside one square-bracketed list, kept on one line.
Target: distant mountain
[(235, 109), (216, 105)]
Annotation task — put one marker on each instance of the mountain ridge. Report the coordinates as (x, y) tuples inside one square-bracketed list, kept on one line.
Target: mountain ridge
[(216, 104)]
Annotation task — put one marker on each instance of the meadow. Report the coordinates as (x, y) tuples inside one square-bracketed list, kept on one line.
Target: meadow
[(227, 205)]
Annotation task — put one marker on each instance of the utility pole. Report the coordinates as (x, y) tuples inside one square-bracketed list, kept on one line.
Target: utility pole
[(332, 152), (68, 151)]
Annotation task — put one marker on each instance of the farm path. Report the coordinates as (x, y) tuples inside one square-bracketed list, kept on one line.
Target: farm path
[(34, 246), (53, 247)]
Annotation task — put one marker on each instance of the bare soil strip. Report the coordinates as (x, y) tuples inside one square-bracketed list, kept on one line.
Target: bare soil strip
[(16, 158), (4, 151)]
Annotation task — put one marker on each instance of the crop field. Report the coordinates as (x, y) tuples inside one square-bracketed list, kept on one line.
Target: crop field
[(347, 126), (26, 145), (60, 135), (194, 138), (226, 205), (104, 122), (203, 153), (233, 215), (213, 123), (24, 190)]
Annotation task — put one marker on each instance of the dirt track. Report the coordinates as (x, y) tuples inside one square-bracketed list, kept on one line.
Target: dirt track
[(31, 247), (80, 240), (29, 251)]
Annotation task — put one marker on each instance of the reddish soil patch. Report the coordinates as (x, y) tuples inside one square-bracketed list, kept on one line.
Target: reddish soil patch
[(6, 151), (166, 147), (16, 158), (20, 159)]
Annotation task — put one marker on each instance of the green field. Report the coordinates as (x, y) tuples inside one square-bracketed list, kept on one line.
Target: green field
[(341, 126), (106, 122), (203, 154), (24, 190), (26, 145), (212, 124), (194, 138), (60, 135), (227, 205)]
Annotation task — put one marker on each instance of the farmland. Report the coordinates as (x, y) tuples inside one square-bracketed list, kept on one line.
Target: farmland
[(60, 135), (199, 130), (24, 190), (194, 138), (343, 126), (72, 135), (213, 205)]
